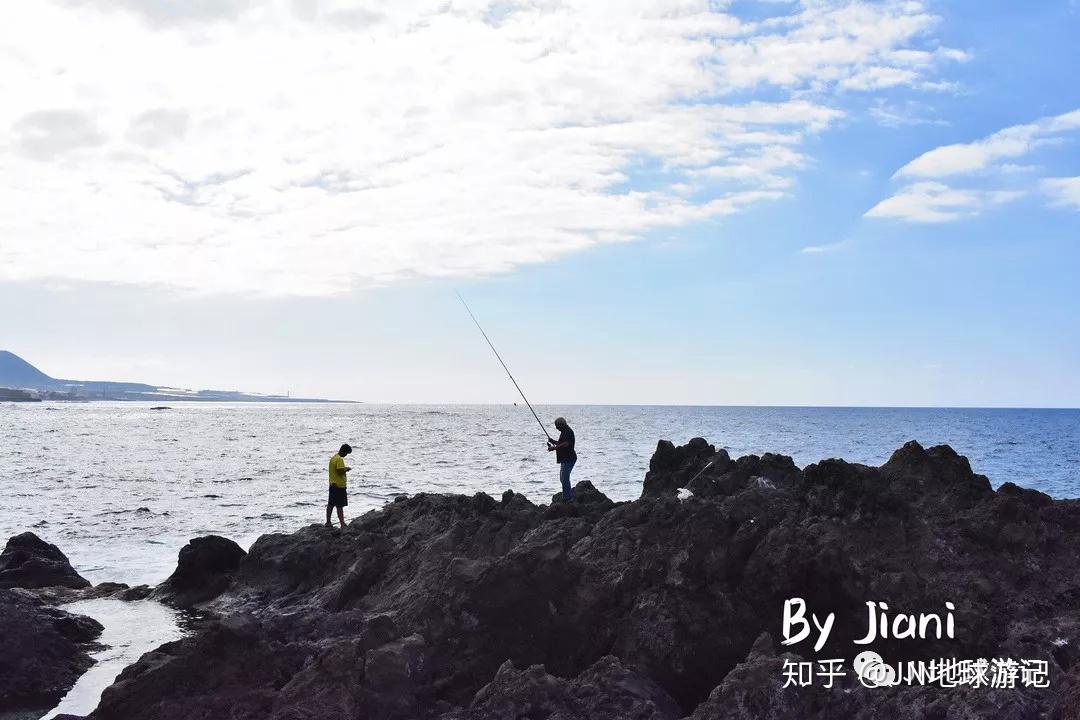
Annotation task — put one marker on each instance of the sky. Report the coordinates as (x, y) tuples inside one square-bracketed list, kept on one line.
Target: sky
[(650, 201)]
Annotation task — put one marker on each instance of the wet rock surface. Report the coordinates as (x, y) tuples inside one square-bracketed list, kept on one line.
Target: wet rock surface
[(29, 562), (468, 608), (45, 651)]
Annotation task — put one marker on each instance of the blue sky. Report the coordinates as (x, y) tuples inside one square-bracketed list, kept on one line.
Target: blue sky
[(825, 203)]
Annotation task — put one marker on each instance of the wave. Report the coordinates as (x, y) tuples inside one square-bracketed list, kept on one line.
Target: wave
[(141, 511), (232, 479)]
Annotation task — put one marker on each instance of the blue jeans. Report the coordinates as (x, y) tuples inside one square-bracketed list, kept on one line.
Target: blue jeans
[(564, 477)]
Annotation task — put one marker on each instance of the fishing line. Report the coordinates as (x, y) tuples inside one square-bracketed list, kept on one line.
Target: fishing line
[(503, 364)]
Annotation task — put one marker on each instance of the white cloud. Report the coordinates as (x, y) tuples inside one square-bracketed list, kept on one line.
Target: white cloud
[(823, 249), (934, 202), (880, 77), (306, 146), (1012, 142), (926, 198), (896, 115), (858, 45), (1064, 191), (46, 134), (158, 127)]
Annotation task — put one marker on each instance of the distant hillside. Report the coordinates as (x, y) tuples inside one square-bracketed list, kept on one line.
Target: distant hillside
[(17, 373)]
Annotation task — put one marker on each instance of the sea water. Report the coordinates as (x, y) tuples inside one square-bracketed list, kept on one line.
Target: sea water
[(131, 629), (121, 487)]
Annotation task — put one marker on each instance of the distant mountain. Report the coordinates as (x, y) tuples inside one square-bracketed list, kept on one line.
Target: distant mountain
[(16, 373)]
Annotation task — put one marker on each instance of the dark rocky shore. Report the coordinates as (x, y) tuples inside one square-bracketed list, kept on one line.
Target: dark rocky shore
[(46, 649), (476, 608)]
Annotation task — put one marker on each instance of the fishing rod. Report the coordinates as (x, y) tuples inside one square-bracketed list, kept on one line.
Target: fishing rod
[(503, 364), (702, 470)]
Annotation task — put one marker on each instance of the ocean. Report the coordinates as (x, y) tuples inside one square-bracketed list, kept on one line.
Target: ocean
[(121, 487)]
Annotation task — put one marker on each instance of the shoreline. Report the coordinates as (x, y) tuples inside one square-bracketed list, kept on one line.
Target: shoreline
[(230, 469), (493, 602)]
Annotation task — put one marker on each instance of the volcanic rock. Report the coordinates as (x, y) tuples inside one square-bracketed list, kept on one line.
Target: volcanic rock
[(673, 467), (468, 608), (604, 691), (30, 562), (204, 569), (45, 651)]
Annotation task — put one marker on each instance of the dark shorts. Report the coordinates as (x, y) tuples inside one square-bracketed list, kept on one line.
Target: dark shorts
[(338, 497)]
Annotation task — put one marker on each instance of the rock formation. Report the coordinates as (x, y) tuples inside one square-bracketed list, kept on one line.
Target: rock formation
[(472, 608), (30, 562), (203, 571), (45, 649), (45, 652)]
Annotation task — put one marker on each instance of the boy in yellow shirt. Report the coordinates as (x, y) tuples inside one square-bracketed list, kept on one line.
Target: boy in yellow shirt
[(338, 497)]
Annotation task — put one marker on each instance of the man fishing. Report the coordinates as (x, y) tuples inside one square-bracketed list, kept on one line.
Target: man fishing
[(564, 455), (564, 446), (338, 480)]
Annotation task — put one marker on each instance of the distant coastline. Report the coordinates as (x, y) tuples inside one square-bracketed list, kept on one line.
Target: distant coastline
[(13, 395), (22, 382)]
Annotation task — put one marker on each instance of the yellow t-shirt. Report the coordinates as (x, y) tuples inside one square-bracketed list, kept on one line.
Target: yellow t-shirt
[(337, 471)]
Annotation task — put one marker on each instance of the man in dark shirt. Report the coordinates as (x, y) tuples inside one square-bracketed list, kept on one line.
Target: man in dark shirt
[(564, 455)]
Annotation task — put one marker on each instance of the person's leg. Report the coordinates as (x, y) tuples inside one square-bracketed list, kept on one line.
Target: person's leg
[(341, 516), (329, 504), (564, 478), (570, 469)]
